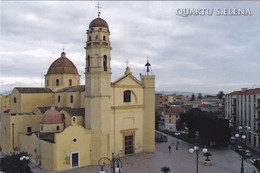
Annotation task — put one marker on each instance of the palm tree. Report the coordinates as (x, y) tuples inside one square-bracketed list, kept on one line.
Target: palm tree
[(165, 169)]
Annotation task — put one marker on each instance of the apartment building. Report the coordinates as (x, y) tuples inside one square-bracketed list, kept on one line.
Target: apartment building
[(243, 109)]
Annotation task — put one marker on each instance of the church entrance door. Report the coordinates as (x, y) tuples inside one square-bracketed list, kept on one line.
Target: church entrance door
[(74, 159), (129, 145)]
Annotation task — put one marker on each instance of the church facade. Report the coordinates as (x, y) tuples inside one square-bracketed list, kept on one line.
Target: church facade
[(66, 125)]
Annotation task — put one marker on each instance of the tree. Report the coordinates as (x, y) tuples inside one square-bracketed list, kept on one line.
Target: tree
[(220, 95), (13, 164), (165, 169), (192, 97), (210, 127), (199, 96)]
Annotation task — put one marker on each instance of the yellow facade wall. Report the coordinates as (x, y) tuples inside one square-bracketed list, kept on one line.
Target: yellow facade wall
[(64, 146), (12, 125), (15, 101), (31, 101), (5, 105), (51, 127), (63, 80)]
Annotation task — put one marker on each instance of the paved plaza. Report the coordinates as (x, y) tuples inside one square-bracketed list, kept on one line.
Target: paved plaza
[(180, 161)]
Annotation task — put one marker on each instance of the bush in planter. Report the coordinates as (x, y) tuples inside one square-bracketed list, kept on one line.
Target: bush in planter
[(207, 155), (165, 169)]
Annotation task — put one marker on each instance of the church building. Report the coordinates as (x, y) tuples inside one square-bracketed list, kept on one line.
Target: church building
[(66, 125)]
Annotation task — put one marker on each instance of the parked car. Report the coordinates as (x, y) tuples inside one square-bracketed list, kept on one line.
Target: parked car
[(239, 149), (247, 153)]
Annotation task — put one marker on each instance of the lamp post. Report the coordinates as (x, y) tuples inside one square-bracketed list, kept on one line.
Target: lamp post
[(24, 163), (115, 161), (197, 148), (177, 142), (242, 133)]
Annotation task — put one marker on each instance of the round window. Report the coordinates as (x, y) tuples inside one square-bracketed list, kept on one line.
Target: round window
[(74, 140)]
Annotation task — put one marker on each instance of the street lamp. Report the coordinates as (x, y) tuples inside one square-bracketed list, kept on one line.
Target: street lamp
[(24, 163), (243, 132), (197, 148), (115, 160), (177, 142)]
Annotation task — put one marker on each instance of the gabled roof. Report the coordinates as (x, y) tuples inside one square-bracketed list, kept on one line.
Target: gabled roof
[(70, 111), (33, 90), (80, 88), (246, 92), (126, 76)]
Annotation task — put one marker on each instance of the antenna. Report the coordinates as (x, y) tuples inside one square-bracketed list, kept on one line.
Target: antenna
[(41, 78), (98, 7)]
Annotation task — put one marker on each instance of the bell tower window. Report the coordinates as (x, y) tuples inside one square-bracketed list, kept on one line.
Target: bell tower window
[(105, 63), (70, 82), (89, 38), (88, 63), (127, 96), (104, 38), (57, 82)]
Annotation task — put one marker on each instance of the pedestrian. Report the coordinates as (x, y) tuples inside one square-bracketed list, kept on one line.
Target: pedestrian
[(169, 148)]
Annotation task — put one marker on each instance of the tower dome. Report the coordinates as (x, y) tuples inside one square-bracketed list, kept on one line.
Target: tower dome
[(62, 66), (98, 22)]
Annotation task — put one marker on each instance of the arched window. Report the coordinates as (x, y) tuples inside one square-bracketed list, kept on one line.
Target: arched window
[(127, 96), (104, 38), (71, 99), (14, 99), (88, 63), (70, 82), (57, 82), (89, 38), (58, 128), (96, 37), (58, 99), (74, 119), (63, 116), (105, 63)]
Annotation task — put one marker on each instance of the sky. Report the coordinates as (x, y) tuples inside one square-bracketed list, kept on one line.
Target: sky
[(197, 53)]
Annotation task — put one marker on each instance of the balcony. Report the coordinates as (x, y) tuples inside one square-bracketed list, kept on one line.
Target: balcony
[(257, 108)]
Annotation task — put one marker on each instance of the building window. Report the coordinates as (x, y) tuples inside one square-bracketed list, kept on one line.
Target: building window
[(96, 37), (105, 63), (74, 119), (41, 128), (104, 38), (89, 38), (88, 63), (127, 96), (58, 99), (70, 82), (57, 82), (71, 99), (170, 121), (14, 99), (74, 140), (63, 116), (58, 128), (29, 129)]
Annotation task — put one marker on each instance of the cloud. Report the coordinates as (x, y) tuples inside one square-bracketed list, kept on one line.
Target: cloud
[(195, 53)]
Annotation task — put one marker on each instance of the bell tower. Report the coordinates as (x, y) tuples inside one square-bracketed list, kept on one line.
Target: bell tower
[(98, 89)]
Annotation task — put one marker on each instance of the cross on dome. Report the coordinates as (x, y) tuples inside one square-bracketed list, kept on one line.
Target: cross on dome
[(98, 7)]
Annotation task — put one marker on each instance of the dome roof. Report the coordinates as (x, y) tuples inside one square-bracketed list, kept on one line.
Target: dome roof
[(98, 22), (62, 65), (52, 116)]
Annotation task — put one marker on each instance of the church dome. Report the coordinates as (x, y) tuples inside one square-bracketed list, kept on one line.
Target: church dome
[(62, 66), (98, 22), (52, 116)]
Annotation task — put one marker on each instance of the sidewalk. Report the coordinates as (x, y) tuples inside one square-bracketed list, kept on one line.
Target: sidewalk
[(179, 161)]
